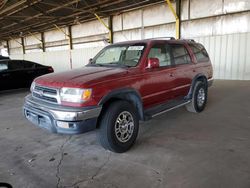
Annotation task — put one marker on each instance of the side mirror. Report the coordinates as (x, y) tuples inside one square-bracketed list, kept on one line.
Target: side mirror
[(153, 63), (90, 60)]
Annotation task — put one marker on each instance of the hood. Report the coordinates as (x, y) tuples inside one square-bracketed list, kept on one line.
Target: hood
[(86, 76)]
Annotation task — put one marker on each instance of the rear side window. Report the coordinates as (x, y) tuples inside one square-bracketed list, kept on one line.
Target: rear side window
[(161, 52), (180, 54), (199, 52), (15, 65), (28, 65)]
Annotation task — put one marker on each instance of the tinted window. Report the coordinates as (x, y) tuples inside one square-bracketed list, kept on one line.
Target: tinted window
[(15, 65), (28, 64), (3, 66), (199, 52), (180, 54), (161, 52)]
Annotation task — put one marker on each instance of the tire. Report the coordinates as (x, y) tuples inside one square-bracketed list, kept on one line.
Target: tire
[(119, 127), (199, 98)]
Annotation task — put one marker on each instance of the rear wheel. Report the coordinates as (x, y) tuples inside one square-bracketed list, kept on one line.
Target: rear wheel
[(119, 127), (199, 98)]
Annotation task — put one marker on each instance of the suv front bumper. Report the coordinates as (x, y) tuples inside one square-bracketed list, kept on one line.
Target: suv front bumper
[(59, 119)]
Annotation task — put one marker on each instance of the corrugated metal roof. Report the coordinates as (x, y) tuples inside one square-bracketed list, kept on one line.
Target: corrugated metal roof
[(18, 17)]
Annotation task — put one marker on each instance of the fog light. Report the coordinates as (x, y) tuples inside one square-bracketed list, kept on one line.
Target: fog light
[(62, 124)]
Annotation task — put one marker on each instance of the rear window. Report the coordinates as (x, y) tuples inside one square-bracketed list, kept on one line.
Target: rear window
[(180, 53), (199, 52)]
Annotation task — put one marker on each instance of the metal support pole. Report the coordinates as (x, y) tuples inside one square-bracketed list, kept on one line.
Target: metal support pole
[(111, 34), (8, 46), (108, 27), (177, 20), (178, 12), (43, 42), (70, 38), (22, 39), (70, 42)]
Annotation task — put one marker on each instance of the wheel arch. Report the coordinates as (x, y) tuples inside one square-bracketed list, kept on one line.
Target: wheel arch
[(198, 77), (129, 94)]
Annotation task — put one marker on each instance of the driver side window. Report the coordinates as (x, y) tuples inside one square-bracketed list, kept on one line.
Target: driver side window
[(161, 52)]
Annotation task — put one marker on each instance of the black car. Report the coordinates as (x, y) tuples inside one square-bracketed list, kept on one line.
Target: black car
[(16, 74), (3, 57)]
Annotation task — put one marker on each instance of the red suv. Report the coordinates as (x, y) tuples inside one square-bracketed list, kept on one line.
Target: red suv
[(124, 83)]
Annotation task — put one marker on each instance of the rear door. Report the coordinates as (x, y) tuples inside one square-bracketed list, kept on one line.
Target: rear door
[(183, 72), (17, 77)]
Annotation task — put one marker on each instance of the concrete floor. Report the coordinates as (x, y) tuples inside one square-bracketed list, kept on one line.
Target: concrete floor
[(176, 150)]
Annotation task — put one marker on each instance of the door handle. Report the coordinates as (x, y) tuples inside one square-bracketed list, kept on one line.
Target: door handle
[(171, 75), (194, 70)]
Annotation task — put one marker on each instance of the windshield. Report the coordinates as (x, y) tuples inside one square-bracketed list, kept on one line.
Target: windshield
[(124, 55)]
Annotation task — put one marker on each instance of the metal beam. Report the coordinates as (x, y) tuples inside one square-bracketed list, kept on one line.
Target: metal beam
[(22, 39), (43, 41), (105, 25), (70, 38), (178, 12), (111, 33), (8, 46), (177, 20)]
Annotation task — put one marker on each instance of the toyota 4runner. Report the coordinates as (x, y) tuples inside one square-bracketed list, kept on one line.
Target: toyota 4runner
[(124, 83)]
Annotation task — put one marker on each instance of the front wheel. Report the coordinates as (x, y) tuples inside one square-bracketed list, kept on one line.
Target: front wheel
[(199, 98), (118, 127)]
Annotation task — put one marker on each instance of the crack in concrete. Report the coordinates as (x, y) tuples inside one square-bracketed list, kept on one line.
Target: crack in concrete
[(75, 185), (60, 161)]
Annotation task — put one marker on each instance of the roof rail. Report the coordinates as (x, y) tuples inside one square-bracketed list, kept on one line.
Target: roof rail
[(191, 40), (171, 38)]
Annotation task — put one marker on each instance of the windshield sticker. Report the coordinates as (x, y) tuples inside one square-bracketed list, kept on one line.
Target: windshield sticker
[(135, 47)]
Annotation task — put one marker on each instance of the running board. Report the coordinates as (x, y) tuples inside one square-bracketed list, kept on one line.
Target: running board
[(167, 110), (161, 109)]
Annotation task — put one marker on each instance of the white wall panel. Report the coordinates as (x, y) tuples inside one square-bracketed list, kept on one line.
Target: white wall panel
[(236, 5), (203, 8), (89, 29), (229, 55), (160, 31), (132, 19), (134, 34), (158, 14), (55, 35), (80, 57), (117, 23), (30, 40)]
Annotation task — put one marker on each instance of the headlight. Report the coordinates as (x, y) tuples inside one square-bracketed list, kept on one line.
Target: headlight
[(75, 95), (32, 87)]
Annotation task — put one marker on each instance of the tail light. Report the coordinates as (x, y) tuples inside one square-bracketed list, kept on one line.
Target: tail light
[(50, 69)]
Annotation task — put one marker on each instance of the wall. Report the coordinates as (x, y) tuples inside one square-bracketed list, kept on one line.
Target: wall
[(223, 25)]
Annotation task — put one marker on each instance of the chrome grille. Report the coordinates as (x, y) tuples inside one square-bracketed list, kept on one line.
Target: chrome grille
[(46, 94)]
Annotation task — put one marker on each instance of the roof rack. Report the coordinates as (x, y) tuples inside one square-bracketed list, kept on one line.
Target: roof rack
[(171, 38), (191, 40)]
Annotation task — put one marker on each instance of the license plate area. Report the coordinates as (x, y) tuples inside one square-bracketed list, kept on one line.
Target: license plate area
[(39, 120)]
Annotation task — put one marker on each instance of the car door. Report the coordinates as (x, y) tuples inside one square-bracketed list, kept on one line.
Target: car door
[(30, 72), (159, 82), (183, 71), (17, 77)]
